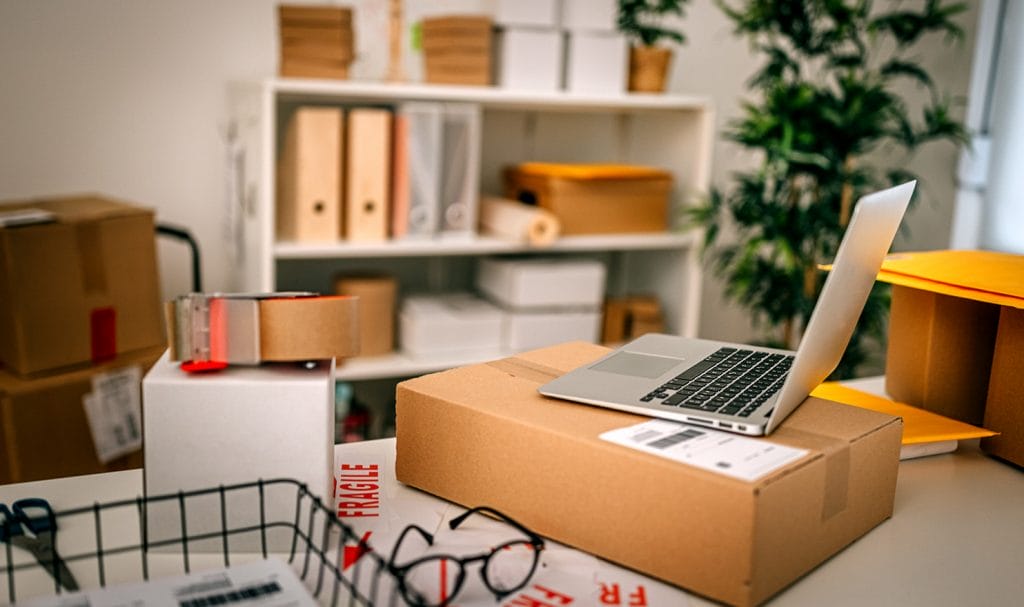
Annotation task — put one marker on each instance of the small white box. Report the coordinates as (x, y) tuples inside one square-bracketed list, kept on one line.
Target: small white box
[(536, 13), (238, 425), (530, 59), (530, 330), (590, 15), (542, 283), (597, 63), (454, 323)]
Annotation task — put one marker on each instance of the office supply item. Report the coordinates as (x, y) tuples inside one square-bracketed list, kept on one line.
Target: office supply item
[(542, 283), (518, 221), (416, 185), (368, 174), (78, 290), (460, 170), (309, 179), (315, 41), (449, 324), (457, 49), (529, 59), (597, 62), (204, 430), (594, 198), (53, 406), (268, 583), (30, 524), (956, 328), (376, 296), (924, 432), (739, 388), (250, 328), (826, 476)]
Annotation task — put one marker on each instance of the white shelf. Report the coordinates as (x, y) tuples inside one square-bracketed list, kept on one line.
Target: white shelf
[(482, 245), (303, 90), (402, 365)]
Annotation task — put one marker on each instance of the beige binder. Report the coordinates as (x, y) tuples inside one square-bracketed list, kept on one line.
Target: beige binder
[(309, 176), (368, 175)]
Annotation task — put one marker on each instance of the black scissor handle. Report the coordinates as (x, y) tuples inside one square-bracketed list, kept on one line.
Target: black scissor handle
[(9, 525), (32, 512)]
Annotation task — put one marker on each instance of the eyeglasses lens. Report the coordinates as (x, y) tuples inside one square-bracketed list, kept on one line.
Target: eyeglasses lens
[(510, 566), (432, 582)]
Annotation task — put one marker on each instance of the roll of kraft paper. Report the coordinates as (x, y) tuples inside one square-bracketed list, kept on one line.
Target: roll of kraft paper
[(518, 221)]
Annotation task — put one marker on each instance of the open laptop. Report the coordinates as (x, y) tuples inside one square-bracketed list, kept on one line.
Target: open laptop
[(746, 389)]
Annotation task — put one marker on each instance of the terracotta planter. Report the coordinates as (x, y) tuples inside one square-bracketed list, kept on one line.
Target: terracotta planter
[(648, 68)]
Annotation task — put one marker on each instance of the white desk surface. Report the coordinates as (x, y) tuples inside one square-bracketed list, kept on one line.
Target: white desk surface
[(956, 537)]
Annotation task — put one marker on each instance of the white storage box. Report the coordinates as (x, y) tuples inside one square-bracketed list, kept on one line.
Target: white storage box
[(536, 13), (597, 63), (590, 15), (234, 426), (530, 330), (530, 59), (454, 323), (542, 283)]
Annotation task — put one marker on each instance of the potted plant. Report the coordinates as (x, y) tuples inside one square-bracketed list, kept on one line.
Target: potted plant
[(826, 99), (643, 23)]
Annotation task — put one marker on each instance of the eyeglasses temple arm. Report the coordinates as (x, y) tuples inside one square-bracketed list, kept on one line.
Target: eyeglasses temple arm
[(455, 522), (426, 535)]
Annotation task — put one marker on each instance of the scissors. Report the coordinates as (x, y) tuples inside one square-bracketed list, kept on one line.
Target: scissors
[(30, 524)]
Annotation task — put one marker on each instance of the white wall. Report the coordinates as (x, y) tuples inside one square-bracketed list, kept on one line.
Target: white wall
[(127, 98)]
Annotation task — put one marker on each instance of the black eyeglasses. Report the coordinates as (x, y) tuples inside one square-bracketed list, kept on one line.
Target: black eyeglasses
[(434, 580)]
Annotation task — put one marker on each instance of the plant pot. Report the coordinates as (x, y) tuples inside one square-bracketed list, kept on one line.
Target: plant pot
[(648, 68)]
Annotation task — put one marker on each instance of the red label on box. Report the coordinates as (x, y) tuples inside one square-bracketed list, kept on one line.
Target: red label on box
[(103, 334)]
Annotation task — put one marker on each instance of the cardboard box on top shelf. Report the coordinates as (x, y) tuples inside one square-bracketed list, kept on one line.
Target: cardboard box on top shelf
[(723, 528), (955, 334), (79, 289), (594, 198), (44, 428), (457, 49), (315, 41)]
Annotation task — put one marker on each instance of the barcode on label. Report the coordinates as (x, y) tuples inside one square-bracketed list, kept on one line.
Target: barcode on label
[(244, 594), (674, 439), (645, 436)]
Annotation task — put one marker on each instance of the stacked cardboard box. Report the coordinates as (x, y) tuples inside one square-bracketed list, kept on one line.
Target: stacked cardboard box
[(79, 298), (457, 49), (316, 41)]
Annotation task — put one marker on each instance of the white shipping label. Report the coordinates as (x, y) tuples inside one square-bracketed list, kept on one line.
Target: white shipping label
[(746, 459), (114, 412)]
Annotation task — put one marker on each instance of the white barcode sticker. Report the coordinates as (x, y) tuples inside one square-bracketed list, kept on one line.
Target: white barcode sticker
[(114, 412), (729, 454)]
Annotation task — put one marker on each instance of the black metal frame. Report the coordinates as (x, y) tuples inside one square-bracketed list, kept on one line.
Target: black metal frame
[(319, 559)]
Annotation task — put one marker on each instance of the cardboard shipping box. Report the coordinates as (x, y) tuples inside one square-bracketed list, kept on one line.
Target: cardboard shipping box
[(955, 337), (81, 288), (482, 434), (44, 432)]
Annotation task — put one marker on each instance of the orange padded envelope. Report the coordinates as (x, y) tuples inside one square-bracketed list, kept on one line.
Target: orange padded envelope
[(987, 276)]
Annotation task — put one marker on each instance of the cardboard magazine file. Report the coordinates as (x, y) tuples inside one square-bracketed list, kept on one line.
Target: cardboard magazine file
[(955, 337), (44, 428), (80, 288), (482, 434)]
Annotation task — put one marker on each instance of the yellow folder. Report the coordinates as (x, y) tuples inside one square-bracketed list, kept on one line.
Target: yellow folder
[(986, 276), (919, 426)]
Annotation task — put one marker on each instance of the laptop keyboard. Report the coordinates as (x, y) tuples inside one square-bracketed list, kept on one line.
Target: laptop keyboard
[(733, 381)]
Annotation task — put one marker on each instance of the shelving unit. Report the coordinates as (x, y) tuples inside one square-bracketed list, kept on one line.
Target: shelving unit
[(670, 131)]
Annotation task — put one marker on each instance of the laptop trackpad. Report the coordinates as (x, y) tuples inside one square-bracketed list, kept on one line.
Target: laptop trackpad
[(637, 365)]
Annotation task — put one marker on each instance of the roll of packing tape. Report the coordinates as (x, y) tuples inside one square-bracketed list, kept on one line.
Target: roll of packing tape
[(518, 221), (249, 329)]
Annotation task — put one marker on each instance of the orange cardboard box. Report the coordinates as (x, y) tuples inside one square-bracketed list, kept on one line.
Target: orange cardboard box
[(82, 288), (955, 337), (43, 428), (482, 434), (595, 199)]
